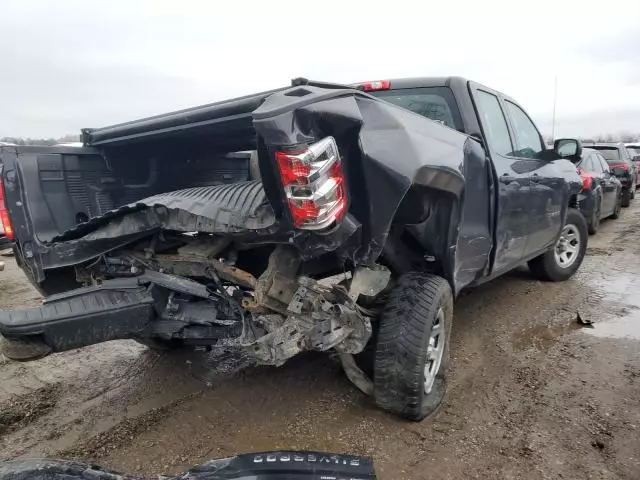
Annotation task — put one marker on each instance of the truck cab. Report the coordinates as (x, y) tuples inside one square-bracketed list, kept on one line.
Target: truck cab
[(535, 185)]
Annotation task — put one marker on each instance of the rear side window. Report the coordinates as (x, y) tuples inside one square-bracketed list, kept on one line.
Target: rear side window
[(603, 163), (494, 123), (588, 164), (611, 155), (436, 103), (527, 137)]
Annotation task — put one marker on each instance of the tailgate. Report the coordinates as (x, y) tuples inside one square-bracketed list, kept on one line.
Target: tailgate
[(51, 190)]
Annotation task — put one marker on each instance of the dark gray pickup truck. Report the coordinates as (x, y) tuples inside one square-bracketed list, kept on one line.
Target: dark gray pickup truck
[(313, 217)]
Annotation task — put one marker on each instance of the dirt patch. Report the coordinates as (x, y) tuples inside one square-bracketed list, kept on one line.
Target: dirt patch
[(21, 410), (601, 251)]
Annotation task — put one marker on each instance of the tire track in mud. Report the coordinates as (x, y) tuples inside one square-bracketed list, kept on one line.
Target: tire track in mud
[(20, 410), (101, 445)]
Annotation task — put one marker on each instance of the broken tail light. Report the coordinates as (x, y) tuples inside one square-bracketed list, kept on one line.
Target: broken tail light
[(5, 222), (314, 184), (587, 179)]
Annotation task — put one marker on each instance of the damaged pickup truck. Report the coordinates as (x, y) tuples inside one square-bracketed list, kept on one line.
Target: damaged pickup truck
[(313, 217)]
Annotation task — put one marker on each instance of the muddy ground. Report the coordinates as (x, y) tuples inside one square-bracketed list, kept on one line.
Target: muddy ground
[(533, 395)]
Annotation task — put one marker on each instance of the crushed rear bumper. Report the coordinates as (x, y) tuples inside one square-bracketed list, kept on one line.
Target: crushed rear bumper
[(81, 317)]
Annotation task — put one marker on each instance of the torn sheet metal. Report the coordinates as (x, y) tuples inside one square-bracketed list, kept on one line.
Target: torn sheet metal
[(397, 150)]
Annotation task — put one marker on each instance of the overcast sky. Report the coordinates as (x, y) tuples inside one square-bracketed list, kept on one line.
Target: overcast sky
[(65, 65)]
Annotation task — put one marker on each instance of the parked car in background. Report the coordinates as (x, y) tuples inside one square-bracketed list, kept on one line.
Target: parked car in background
[(617, 156), (601, 195), (4, 241), (633, 149)]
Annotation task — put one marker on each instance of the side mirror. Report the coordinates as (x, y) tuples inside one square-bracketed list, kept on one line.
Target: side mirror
[(568, 147)]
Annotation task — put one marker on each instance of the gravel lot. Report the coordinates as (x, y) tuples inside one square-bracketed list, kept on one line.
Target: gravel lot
[(533, 394)]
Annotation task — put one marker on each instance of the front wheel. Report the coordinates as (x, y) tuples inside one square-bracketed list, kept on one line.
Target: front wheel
[(412, 351), (626, 197), (565, 257)]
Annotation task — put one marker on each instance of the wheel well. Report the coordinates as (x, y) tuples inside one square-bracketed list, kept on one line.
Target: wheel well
[(423, 232), (573, 201)]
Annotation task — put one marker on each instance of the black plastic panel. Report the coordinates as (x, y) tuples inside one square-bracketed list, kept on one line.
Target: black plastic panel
[(88, 316)]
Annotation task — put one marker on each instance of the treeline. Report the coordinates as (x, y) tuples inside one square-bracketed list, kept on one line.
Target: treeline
[(40, 141), (623, 137)]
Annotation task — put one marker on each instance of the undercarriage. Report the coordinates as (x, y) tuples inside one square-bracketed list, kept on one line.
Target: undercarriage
[(180, 290)]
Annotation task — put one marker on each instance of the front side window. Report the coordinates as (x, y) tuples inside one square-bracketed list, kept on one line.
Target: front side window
[(527, 136), (494, 123)]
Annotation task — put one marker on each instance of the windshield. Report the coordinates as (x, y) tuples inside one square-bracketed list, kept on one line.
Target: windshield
[(436, 103), (610, 154)]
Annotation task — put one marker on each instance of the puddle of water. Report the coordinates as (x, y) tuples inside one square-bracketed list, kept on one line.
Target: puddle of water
[(627, 327), (622, 287)]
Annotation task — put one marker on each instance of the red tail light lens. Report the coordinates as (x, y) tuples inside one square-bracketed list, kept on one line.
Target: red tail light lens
[(314, 184), (622, 166), (587, 179), (376, 85), (5, 222)]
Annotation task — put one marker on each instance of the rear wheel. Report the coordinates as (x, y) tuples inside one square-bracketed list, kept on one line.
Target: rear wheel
[(626, 197), (618, 207), (594, 221), (412, 351), (561, 262)]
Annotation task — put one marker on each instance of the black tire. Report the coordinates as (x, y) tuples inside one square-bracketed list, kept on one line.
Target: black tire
[(633, 192), (618, 207), (546, 267), (594, 221), (24, 349), (418, 302), (626, 198)]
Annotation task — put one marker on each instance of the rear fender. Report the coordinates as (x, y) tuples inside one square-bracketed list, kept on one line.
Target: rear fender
[(386, 149)]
